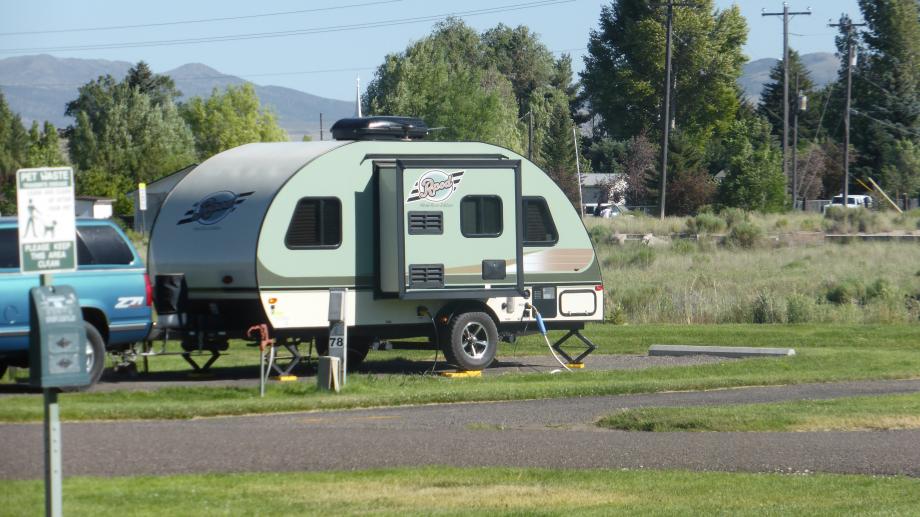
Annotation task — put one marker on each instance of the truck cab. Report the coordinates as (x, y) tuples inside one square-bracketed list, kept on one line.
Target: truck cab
[(110, 281)]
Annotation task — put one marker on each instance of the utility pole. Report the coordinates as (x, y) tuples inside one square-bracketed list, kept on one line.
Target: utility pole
[(666, 105), (320, 127), (530, 135), (786, 14), (849, 27)]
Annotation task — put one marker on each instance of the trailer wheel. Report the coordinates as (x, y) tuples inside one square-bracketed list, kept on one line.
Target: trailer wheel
[(471, 341), (2, 368), (358, 347)]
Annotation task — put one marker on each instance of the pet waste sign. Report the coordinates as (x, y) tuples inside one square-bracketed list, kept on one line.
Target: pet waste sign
[(47, 237)]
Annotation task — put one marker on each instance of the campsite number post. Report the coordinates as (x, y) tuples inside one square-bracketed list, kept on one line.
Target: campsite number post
[(57, 339), (338, 335)]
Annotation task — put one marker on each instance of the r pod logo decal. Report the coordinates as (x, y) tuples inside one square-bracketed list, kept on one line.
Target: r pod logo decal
[(435, 186), (214, 207)]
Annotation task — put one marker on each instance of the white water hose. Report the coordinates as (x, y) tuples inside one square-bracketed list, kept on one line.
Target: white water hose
[(542, 328)]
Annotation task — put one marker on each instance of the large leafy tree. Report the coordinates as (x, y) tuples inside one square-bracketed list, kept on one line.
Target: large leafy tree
[(229, 119), (519, 55), (446, 80), (44, 146), (753, 164), (624, 67), (125, 134)]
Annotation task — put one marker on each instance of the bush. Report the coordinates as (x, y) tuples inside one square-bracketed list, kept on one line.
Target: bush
[(853, 291), (849, 220), (744, 235), (799, 309), (633, 255), (705, 223), (765, 309), (735, 216), (600, 234), (683, 246)]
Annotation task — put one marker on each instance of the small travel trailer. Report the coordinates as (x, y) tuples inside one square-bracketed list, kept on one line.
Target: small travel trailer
[(460, 242)]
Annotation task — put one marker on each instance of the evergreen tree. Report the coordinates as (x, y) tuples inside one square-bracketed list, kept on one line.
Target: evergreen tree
[(44, 146), (160, 88), (14, 154), (519, 55), (771, 99), (558, 152)]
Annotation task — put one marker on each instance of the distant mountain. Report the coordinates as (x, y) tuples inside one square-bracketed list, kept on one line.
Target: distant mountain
[(822, 66), (39, 87)]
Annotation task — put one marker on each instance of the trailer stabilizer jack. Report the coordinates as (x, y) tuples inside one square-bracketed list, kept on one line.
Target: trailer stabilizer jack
[(577, 361)]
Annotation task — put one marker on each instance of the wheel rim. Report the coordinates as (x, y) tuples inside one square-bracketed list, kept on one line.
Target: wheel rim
[(475, 340), (89, 356)]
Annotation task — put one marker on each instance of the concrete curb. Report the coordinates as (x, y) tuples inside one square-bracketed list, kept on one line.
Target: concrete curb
[(721, 351)]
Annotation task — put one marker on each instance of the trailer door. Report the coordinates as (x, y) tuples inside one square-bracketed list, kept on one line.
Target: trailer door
[(460, 232)]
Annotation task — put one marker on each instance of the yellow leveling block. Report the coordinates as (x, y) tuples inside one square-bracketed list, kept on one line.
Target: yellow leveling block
[(576, 366), (461, 374), (285, 378)]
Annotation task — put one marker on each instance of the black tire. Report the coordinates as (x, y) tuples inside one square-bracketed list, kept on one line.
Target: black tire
[(95, 345), (358, 347), (470, 341), (2, 368)]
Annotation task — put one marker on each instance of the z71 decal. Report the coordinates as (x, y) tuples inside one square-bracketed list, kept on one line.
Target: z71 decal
[(127, 302)]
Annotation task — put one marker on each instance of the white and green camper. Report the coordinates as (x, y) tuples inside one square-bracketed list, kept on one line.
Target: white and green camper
[(456, 241)]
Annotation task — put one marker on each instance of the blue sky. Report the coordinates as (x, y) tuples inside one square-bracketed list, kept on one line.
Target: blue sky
[(326, 63)]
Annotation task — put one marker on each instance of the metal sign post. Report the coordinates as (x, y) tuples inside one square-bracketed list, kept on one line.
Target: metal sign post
[(48, 244), (142, 205), (338, 334)]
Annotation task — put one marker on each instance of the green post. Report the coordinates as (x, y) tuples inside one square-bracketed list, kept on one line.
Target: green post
[(53, 478)]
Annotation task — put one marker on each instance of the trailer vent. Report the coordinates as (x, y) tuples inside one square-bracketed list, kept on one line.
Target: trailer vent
[(426, 223), (380, 128), (426, 276)]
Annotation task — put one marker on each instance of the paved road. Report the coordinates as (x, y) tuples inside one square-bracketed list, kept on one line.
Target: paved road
[(540, 433)]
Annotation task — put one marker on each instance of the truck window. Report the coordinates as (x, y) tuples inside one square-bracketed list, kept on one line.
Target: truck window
[(102, 245), (539, 229), (481, 216), (9, 248), (316, 223)]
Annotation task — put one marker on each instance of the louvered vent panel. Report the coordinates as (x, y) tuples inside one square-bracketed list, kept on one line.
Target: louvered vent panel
[(426, 276), (426, 223)]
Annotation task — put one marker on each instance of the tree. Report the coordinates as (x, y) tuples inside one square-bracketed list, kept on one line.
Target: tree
[(901, 174), (160, 88), (638, 163), (771, 98), (44, 146), (229, 119), (14, 149), (519, 55), (624, 67), (122, 136), (754, 177), (443, 79), (690, 186), (886, 84), (558, 152)]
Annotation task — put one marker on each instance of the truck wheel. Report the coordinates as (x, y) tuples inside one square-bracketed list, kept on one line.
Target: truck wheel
[(471, 341), (95, 353), (358, 347)]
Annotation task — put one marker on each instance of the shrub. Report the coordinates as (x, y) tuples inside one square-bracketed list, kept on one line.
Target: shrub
[(735, 216), (781, 224), (810, 224), (683, 246), (705, 223), (799, 309), (847, 220), (846, 292), (600, 234), (765, 309), (744, 235), (633, 255)]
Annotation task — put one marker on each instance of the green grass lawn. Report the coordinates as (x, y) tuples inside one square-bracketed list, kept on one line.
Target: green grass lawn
[(493, 491), (844, 414), (825, 353)]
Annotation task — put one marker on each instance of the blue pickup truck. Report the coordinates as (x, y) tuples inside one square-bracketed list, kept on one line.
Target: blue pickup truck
[(111, 282)]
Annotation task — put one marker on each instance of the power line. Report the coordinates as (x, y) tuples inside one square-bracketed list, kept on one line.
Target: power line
[(298, 32), (202, 20)]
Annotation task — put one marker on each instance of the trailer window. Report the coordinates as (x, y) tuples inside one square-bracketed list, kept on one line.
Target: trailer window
[(316, 223), (539, 229), (481, 216)]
